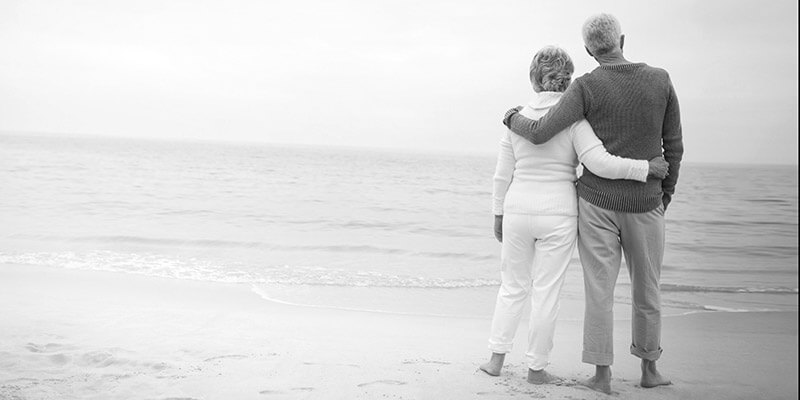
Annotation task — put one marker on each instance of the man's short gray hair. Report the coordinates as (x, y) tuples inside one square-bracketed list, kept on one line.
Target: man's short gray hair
[(551, 70), (601, 34)]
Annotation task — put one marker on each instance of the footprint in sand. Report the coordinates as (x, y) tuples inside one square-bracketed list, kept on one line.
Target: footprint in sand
[(96, 357), (159, 366), (43, 348), (34, 348), (59, 359), (384, 381)]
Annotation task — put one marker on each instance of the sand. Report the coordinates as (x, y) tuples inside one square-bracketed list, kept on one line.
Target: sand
[(68, 334)]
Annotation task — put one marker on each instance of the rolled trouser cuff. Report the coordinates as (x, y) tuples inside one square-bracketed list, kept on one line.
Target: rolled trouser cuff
[(598, 358), (538, 362), (646, 355), (500, 348)]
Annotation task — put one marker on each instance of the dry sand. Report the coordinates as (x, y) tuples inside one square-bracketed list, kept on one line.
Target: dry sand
[(67, 334)]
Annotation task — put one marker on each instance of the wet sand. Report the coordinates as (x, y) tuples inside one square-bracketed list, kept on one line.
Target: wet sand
[(71, 334)]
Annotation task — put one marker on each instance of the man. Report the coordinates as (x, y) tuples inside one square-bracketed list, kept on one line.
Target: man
[(634, 111)]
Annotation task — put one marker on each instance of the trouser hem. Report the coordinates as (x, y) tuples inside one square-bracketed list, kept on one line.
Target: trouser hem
[(646, 355), (538, 362), (500, 349), (598, 358)]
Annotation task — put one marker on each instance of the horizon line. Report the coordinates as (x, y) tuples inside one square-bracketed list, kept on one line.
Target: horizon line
[(235, 142)]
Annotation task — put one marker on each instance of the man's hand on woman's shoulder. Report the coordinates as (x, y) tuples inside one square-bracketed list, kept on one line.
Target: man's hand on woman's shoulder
[(509, 113)]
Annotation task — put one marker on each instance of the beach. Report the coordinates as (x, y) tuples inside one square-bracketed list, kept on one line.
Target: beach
[(69, 334)]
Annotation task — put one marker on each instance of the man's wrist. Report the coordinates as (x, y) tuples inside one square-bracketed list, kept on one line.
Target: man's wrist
[(509, 114)]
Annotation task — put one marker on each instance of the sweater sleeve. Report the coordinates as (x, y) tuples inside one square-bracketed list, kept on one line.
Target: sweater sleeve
[(570, 109), (672, 140), (503, 174), (597, 159)]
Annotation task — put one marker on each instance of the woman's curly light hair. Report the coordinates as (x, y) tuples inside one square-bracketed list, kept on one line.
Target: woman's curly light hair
[(551, 70)]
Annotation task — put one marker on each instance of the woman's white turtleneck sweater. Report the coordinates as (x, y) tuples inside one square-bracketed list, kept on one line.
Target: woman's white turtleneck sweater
[(540, 179)]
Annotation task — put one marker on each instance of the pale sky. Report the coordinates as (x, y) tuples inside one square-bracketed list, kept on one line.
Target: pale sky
[(432, 75)]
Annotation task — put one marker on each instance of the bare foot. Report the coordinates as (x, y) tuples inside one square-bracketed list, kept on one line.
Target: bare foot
[(494, 365), (601, 381), (541, 377), (651, 377)]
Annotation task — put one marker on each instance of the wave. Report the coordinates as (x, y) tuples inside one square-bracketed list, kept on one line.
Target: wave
[(215, 243), (788, 269), (458, 191), (731, 223), (668, 287), (235, 272), (203, 270), (738, 250), (737, 310)]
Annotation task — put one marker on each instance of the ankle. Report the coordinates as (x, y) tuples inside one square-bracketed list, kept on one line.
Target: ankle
[(603, 371)]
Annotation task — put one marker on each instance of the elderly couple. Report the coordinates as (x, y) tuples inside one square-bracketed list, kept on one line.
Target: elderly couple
[(623, 108)]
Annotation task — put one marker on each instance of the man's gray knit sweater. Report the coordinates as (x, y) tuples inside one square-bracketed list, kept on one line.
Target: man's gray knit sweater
[(634, 111)]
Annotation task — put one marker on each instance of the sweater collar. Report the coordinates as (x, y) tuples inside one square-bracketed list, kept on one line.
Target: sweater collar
[(544, 100), (622, 67)]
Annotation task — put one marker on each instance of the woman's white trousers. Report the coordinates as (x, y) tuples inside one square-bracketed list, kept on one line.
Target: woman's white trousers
[(536, 251)]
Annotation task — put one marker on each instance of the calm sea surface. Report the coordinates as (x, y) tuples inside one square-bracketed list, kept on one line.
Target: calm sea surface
[(324, 226)]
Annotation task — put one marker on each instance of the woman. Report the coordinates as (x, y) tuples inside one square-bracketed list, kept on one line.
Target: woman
[(535, 207)]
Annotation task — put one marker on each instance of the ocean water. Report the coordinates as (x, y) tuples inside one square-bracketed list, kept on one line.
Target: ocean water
[(352, 228)]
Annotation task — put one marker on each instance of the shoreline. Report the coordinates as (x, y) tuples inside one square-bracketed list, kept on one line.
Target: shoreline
[(95, 334), (574, 306), (457, 301)]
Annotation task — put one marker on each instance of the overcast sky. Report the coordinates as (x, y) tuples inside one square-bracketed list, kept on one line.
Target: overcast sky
[(431, 75)]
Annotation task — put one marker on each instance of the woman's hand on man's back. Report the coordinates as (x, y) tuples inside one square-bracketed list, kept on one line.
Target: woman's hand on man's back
[(659, 167)]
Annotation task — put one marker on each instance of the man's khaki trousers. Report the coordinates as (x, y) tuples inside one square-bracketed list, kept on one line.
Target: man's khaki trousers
[(603, 236)]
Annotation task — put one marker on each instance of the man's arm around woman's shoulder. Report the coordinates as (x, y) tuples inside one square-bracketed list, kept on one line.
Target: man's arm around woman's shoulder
[(569, 109)]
